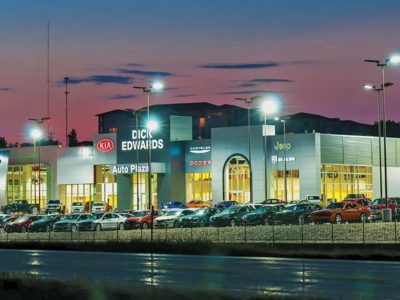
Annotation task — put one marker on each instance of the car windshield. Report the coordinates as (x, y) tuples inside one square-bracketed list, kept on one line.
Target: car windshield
[(263, 209), (230, 210), (295, 207), (201, 212), (335, 205), (22, 219), (77, 204), (379, 202), (46, 218), (139, 214), (54, 202), (98, 204), (70, 217), (172, 213), (95, 217)]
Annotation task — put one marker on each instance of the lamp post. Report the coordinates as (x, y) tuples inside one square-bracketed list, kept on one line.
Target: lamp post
[(395, 59), (268, 107), (66, 110), (36, 134), (378, 90), (249, 101), (157, 86)]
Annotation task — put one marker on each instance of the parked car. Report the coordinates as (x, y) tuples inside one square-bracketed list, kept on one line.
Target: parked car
[(99, 207), (20, 224), (21, 206), (273, 201), (231, 216), (70, 222), (378, 204), (6, 219), (346, 211), (109, 221), (44, 224), (171, 218), (198, 203), (77, 207), (225, 204), (200, 217), (172, 204), (87, 224), (53, 206), (141, 219), (263, 215), (296, 214), (361, 201), (313, 199)]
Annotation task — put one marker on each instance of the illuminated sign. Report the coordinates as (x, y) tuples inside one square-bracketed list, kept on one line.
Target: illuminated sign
[(199, 162), (128, 169), (275, 159), (200, 149), (281, 146), (142, 140), (105, 145)]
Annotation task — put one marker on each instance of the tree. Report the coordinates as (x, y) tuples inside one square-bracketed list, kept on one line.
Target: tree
[(3, 142), (73, 139)]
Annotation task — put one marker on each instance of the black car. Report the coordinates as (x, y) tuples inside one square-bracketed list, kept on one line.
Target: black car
[(200, 217), (296, 214), (231, 216), (45, 224), (225, 204), (263, 215), (87, 225), (272, 201)]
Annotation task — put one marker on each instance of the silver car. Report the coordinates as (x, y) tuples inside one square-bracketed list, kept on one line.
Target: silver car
[(171, 218), (77, 207), (109, 221)]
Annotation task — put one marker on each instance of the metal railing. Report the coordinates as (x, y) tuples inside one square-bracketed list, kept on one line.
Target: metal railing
[(350, 233)]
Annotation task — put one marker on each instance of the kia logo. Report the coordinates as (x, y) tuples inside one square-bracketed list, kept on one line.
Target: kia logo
[(105, 145)]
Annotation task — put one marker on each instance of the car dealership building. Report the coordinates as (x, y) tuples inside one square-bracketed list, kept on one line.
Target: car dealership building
[(213, 167)]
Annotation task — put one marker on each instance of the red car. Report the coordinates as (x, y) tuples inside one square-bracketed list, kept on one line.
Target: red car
[(346, 211), (21, 224), (141, 219), (380, 203)]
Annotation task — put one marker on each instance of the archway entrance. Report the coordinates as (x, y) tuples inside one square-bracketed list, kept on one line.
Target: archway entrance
[(237, 180)]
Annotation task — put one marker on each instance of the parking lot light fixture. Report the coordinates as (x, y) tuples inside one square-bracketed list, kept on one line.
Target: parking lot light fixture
[(152, 125), (394, 59), (369, 87)]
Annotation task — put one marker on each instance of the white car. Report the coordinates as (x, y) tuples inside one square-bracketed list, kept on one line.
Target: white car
[(171, 218), (98, 207), (77, 207), (109, 221)]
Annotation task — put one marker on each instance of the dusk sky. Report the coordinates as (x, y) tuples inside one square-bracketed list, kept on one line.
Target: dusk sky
[(310, 53)]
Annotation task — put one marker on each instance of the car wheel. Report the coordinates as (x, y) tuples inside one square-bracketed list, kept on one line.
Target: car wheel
[(23, 230), (176, 224), (338, 219), (8, 211), (301, 220), (98, 227), (48, 228), (121, 226), (145, 225), (233, 223), (74, 228), (363, 217)]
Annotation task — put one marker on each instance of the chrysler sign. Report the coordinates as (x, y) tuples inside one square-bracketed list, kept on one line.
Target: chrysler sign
[(105, 145)]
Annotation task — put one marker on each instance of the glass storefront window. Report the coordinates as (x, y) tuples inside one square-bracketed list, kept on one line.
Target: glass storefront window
[(237, 180), (337, 181), (70, 193), (140, 190), (28, 182), (292, 184), (106, 186), (198, 187)]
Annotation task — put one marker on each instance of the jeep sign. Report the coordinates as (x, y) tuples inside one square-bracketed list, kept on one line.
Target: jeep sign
[(105, 145)]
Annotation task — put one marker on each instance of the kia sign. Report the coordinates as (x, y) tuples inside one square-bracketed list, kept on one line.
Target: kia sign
[(105, 145)]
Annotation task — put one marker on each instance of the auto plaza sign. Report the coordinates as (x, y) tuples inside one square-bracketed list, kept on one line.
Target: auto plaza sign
[(142, 140), (128, 169)]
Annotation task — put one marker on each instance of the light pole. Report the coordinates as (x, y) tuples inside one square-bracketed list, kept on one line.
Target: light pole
[(249, 101), (378, 90), (36, 134), (66, 110), (395, 59), (268, 107), (157, 86)]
